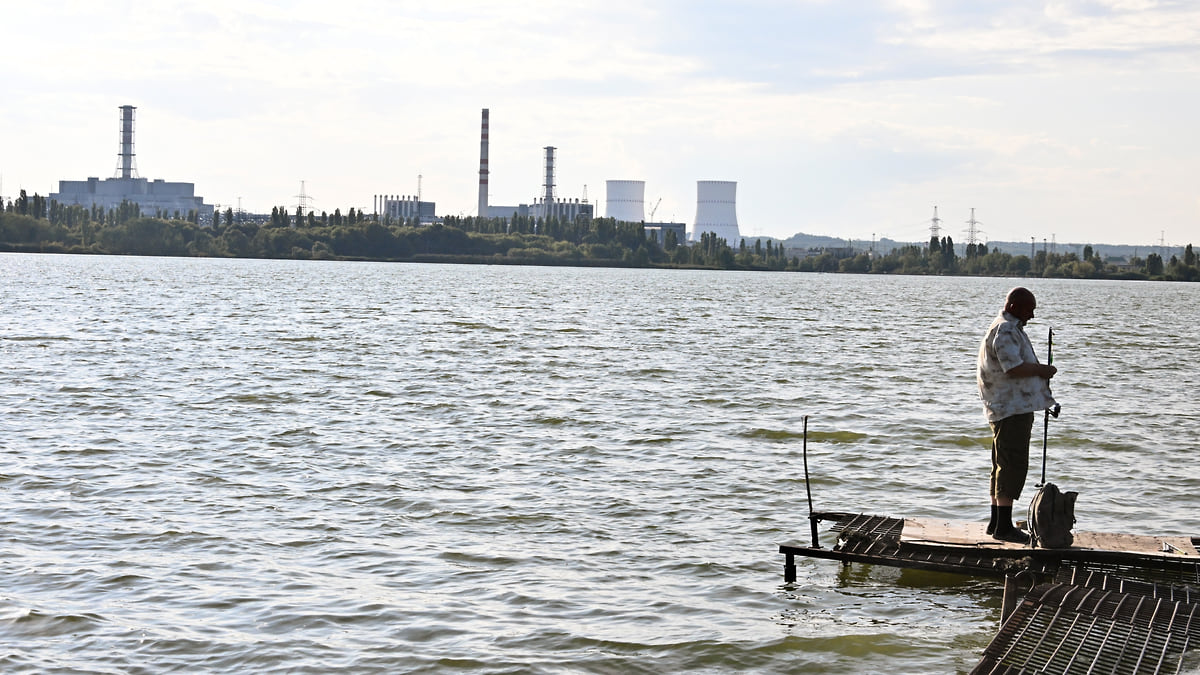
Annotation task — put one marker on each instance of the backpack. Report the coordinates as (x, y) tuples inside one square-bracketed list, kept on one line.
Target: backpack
[(1051, 517)]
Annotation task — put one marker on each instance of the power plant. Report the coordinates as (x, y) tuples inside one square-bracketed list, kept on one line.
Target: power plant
[(152, 197), (625, 200)]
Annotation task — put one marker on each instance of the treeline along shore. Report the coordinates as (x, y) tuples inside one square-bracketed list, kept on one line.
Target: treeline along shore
[(31, 224)]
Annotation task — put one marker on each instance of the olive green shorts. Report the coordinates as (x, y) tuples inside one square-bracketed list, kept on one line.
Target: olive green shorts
[(1010, 455)]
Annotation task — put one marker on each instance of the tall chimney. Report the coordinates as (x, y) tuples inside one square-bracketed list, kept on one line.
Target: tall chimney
[(548, 186), (483, 166), (125, 168)]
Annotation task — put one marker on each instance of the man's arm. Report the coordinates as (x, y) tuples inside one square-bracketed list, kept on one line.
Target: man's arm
[(1029, 369)]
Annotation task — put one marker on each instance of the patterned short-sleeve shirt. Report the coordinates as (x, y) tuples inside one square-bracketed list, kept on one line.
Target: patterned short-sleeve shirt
[(1006, 346)]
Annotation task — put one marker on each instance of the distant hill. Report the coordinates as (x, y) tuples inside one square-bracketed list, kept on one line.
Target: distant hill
[(804, 241), (1101, 250), (808, 241)]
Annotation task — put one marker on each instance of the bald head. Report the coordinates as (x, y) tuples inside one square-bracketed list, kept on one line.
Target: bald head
[(1020, 303), (1019, 294)]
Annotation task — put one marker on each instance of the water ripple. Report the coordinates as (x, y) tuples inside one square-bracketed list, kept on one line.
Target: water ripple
[(288, 467)]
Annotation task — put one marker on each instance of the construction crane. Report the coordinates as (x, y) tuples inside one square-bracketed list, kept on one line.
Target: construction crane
[(654, 208)]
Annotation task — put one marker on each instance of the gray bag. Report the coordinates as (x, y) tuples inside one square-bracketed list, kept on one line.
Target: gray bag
[(1051, 517)]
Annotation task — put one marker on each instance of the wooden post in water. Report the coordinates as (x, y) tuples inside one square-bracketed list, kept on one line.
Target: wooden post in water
[(1014, 590), (812, 522), (1009, 601)]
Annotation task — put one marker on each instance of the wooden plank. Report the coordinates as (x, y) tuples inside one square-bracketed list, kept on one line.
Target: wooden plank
[(958, 533), (1136, 543), (955, 533)]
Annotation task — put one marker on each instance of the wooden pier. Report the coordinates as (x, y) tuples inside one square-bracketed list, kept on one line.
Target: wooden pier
[(1112, 603), (964, 548)]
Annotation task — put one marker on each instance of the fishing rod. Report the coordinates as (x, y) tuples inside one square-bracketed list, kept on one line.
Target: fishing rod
[(1051, 411)]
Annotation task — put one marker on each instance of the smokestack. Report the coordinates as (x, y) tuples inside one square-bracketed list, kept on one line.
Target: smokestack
[(483, 166), (548, 186), (125, 168)]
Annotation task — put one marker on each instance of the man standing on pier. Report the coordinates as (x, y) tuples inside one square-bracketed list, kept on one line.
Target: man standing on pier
[(1013, 385)]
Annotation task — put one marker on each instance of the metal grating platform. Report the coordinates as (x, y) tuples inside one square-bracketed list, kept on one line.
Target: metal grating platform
[(1151, 569), (1081, 576), (1094, 628)]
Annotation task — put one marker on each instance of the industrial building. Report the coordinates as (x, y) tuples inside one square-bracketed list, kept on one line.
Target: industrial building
[(153, 197), (405, 207), (658, 231)]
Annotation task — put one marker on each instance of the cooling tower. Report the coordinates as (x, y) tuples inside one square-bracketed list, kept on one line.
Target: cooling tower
[(625, 200), (716, 210)]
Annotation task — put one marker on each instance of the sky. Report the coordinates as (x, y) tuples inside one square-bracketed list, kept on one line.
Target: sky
[(1073, 121)]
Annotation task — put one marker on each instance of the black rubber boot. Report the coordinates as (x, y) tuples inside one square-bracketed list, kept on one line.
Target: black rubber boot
[(1005, 531), (1013, 535)]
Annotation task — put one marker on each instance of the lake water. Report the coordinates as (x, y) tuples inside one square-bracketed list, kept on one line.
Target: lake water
[(307, 467)]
